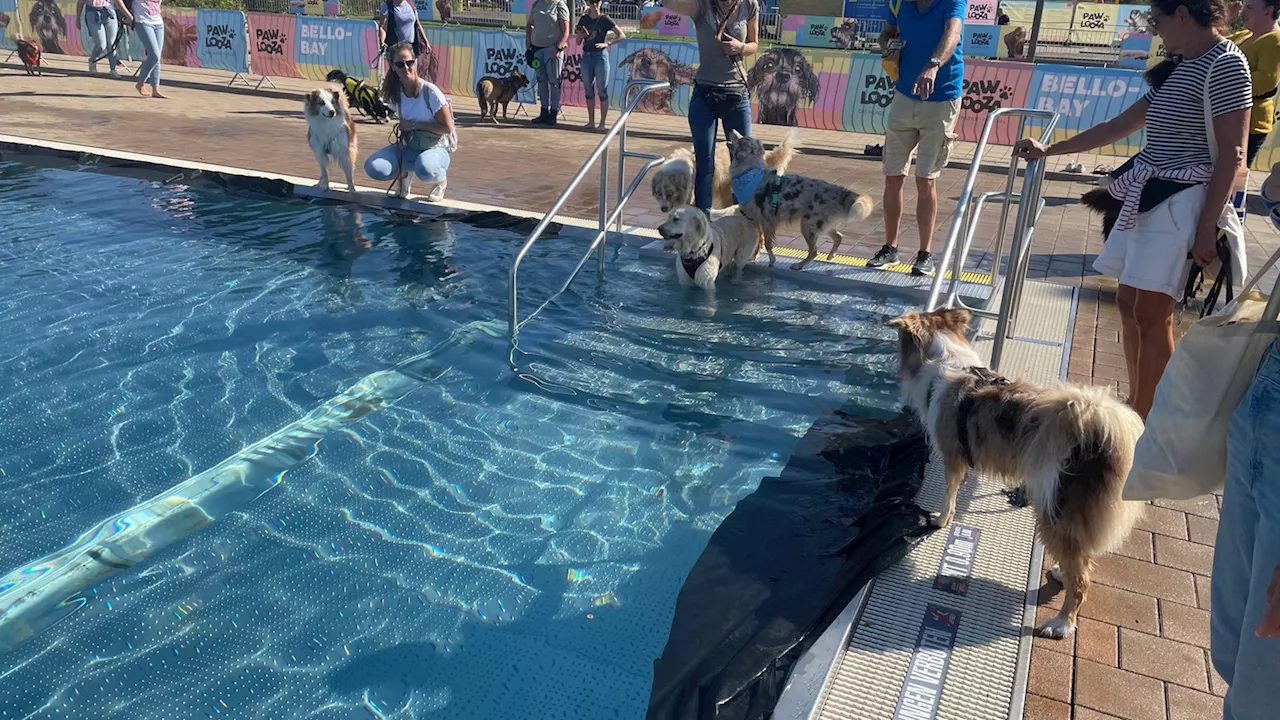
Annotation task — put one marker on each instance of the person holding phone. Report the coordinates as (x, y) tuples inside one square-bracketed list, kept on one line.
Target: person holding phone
[(546, 36), (728, 31), (593, 31)]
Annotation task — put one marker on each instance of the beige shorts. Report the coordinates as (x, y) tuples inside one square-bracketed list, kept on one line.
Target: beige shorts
[(916, 124)]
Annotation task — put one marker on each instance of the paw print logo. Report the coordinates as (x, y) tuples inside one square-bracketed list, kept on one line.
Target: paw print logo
[(1006, 93)]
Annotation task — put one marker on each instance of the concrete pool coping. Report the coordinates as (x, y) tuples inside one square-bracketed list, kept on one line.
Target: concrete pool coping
[(1040, 353)]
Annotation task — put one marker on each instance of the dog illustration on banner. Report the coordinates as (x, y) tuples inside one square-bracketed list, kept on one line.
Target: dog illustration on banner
[(654, 64), (782, 78), (179, 41), (49, 25), (845, 35)]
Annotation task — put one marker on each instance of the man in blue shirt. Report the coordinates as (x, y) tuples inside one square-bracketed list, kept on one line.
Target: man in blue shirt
[(923, 36)]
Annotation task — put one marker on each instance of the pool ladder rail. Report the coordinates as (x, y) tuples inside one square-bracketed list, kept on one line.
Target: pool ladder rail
[(968, 212), (632, 94)]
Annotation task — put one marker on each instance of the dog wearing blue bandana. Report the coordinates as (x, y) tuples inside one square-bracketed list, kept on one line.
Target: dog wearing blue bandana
[(772, 200)]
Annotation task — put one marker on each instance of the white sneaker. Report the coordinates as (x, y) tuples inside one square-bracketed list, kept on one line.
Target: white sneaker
[(437, 192)]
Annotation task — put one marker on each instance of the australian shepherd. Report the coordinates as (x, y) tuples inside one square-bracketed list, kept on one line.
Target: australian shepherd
[(1069, 448), (672, 182), (331, 133)]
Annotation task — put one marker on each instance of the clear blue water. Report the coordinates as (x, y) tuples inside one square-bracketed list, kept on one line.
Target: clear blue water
[(495, 544)]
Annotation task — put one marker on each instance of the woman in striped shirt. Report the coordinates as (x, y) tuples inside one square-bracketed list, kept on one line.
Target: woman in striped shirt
[(1147, 250)]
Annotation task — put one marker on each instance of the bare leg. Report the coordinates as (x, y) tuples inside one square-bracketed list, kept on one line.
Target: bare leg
[(1153, 313), (591, 114), (1125, 298), (926, 210), (892, 208)]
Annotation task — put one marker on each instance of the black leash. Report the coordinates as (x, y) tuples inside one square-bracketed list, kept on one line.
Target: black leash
[(115, 44), (1195, 281)]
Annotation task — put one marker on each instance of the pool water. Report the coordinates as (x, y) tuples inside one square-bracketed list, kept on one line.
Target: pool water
[(496, 543)]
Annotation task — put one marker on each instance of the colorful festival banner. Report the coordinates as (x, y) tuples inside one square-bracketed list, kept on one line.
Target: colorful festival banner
[(980, 12), (981, 40), (1084, 97), (220, 41), (815, 96), (1135, 51), (323, 44), (1094, 23), (426, 10), (655, 60), (181, 38), (673, 25), (867, 96), (54, 25), (499, 54), (1132, 20), (867, 9), (271, 44), (990, 85), (8, 23), (450, 65)]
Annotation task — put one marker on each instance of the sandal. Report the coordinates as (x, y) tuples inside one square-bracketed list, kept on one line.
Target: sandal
[(1103, 170)]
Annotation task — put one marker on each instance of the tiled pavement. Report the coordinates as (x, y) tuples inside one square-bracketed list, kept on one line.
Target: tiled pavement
[(1140, 653)]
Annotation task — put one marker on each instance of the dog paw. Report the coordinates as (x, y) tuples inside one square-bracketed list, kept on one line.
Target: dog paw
[(1055, 574), (799, 265), (1056, 628)]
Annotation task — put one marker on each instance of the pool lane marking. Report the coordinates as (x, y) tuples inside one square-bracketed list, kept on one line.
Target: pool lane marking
[(38, 595)]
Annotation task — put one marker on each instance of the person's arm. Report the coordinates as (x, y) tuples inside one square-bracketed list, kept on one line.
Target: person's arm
[(734, 47), (888, 33), (442, 122), (618, 35), (422, 35), (125, 15), (1267, 76), (1115, 129), (564, 28), (1229, 130), (382, 25), (688, 8)]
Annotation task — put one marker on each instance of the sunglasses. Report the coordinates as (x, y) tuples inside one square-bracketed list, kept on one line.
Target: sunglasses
[(405, 64)]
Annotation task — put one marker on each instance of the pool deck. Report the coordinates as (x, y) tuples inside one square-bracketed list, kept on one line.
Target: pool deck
[(1141, 650)]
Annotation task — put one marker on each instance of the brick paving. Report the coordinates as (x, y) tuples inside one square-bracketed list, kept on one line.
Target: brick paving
[(1141, 650)]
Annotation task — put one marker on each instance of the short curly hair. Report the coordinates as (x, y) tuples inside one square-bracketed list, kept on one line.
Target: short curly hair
[(1206, 13)]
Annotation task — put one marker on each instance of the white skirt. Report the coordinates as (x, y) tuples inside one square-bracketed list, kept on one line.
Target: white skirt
[(1152, 255)]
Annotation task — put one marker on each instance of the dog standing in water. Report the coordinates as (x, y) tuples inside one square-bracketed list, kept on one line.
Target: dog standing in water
[(331, 133), (1070, 448)]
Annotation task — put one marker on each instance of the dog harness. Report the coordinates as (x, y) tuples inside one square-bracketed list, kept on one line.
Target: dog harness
[(985, 378), (691, 265), (745, 184)]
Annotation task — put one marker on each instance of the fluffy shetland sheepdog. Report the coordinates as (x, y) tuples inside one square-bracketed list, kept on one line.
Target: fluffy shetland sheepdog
[(1068, 447), (331, 132)]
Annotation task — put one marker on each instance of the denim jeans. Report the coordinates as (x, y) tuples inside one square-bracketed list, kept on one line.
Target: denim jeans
[(595, 75), (702, 126), (429, 165), (102, 25), (1248, 550), (549, 77), (152, 38)]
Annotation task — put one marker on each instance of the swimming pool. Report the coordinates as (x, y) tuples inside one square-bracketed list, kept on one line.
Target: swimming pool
[(492, 544)]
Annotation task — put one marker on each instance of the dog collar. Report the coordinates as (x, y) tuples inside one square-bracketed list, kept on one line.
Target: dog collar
[(692, 264), (745, 184)]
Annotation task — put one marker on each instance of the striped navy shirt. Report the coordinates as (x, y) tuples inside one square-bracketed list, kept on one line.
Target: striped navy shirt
[(1176, 136)]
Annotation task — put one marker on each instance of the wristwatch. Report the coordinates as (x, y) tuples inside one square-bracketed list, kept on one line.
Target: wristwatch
[(933, 63)]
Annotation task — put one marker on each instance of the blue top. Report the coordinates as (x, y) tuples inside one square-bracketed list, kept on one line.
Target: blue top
[(921, 32)]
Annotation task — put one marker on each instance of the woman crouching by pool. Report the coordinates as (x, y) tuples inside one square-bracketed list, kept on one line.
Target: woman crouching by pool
[(425, 130)]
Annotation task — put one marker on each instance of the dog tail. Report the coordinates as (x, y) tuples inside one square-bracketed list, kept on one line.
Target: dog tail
[(1101, 201), (1088, 436), (860, 205), (780, 157)]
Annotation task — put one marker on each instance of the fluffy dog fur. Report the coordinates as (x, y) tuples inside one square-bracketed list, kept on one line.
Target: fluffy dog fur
[(1070, 448), (705, 248), (48, 23), (331, 133), (494, 91), (821, 208), (782, 78), (1100, 199), (672, 182), (653, 64), (361, 95)]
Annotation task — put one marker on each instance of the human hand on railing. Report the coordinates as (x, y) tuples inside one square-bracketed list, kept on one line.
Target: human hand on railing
[(1029, 149)]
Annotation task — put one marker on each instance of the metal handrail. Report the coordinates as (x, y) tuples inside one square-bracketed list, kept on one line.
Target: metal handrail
[(635, 90), (968, 211)]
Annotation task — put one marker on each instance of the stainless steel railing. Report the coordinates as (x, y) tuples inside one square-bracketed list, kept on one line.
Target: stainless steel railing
[(968, 212), (632, 94)]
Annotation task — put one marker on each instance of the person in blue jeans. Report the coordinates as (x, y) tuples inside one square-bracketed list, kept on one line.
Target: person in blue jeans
[(727, 31), (593, 31), (1244, 622), (149, 23), (426, 132), (546, 37), (100, 19)]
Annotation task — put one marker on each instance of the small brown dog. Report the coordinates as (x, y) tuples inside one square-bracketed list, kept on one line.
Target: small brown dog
[(29, 54), (494, 91), (1068, 447)]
